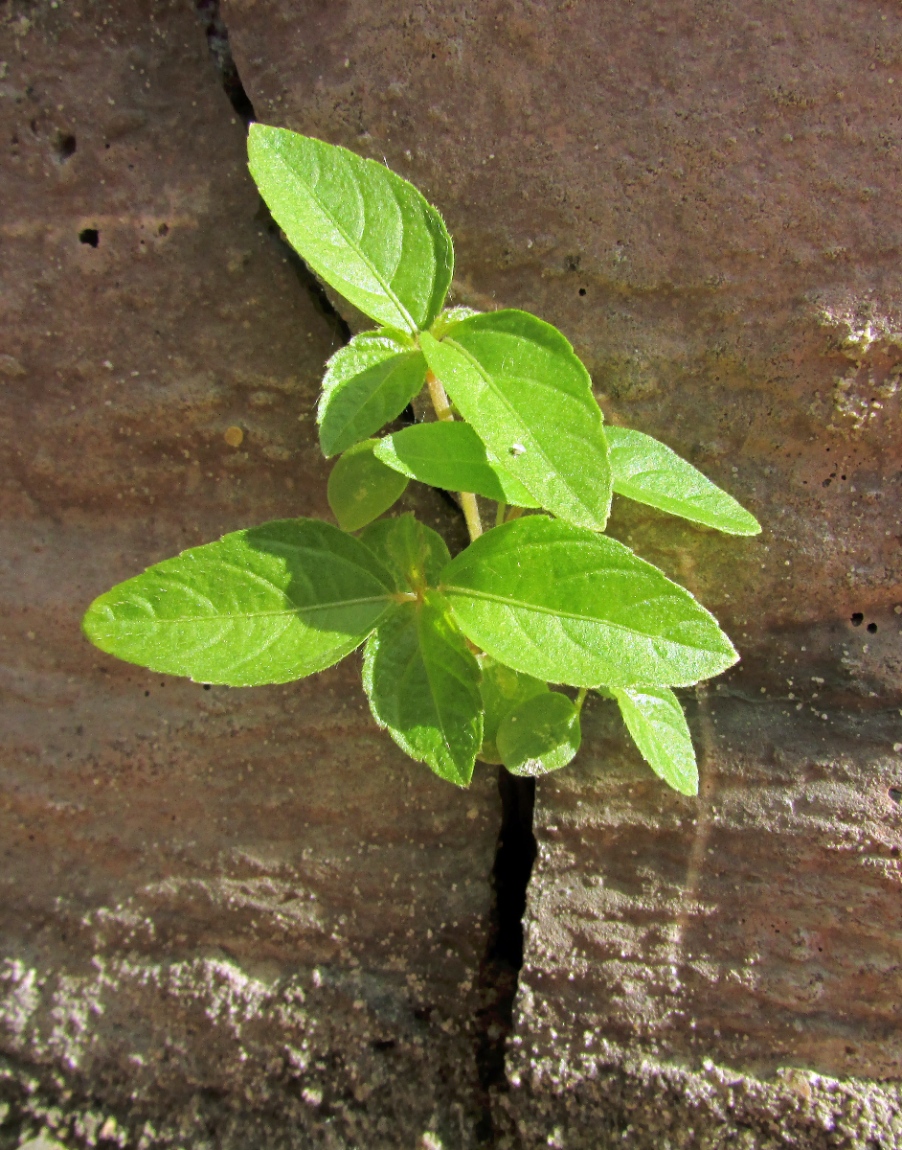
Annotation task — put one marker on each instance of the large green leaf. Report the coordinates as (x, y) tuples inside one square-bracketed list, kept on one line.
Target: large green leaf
[(366, 231), (368, 382), (423, 686), (266, 605), (519, 383), (570, 606), (540, 735), (361, 487), (503, 689), (655, 719), (414, 553), (451, 456), (649, 472)]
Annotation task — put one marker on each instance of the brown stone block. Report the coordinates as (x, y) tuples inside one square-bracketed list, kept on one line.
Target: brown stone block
[(726, 963), (231, 918), (705, 200)]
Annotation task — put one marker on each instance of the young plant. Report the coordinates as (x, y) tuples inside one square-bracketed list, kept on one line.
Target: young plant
[(459, 652)]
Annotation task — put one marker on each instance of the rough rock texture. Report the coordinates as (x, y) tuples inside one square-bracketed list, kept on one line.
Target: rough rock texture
[(704, 197), (697, 969), (204, 937), (227, 918)]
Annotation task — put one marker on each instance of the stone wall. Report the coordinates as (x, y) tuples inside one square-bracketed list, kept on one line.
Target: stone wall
[(242, 918)]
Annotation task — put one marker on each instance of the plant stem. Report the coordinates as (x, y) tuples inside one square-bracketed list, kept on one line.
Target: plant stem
[(439, 397), (499, 514), (442, 408), (581, 698)]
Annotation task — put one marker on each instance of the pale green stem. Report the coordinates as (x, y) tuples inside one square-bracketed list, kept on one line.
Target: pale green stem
[(581, 698), (499, 514), (443, 411)]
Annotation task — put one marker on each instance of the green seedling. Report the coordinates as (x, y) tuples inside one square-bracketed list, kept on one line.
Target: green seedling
[(459, 652)]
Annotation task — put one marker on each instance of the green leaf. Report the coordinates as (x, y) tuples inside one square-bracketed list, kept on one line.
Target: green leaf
[(366, 231), (503, 689), (649, 472), (266, 605), (655, 719), (449, 318), (541, 735), (368, 383), (570, 606), (423, 686), (414, 553), (519, 383), (453, 457), (361, 487)]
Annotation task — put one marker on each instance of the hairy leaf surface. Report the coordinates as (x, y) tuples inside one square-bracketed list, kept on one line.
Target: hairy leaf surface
[(540, 735), (368, 383), (503, 689), (518, 382), (648, 471), (570, 606), (361, 487), (366, 231), (266, 605), (422, 683), (655, 719), (414, 553), (453, 457)]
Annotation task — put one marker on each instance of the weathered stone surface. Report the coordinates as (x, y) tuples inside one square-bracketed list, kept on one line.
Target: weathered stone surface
[(227, 918), (705, 200), (726, 964)]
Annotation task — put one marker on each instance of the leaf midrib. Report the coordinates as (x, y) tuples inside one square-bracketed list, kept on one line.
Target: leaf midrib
[(497, 390), (489, 597), (181, 619), (377, 275)]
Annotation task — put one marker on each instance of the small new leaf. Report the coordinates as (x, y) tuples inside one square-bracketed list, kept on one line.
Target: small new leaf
[(368, 383), (422, 683), (503, 689), (367, 232), (414, 553), (540, 735), (649, 472), (520, 385), (453, 457), (361, 487), (655, 719), (266, 605), (570, 606)]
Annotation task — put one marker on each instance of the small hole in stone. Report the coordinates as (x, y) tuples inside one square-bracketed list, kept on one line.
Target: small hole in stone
[(857, 619), (163, 230), (65, 147), (894, 852), (89, 236), (895, 793), (872, 628), (582, 291), (206, 686)]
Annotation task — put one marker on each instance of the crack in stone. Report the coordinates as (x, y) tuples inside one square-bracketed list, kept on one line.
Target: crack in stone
[(516, 849), (502, 962), (221, 54)]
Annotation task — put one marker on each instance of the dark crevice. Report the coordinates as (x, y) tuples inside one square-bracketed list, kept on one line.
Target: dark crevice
[(221, 53), (503, 959), (516, 850)]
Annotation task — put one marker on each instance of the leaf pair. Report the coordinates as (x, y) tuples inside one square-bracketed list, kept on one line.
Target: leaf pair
[(275, 603)]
